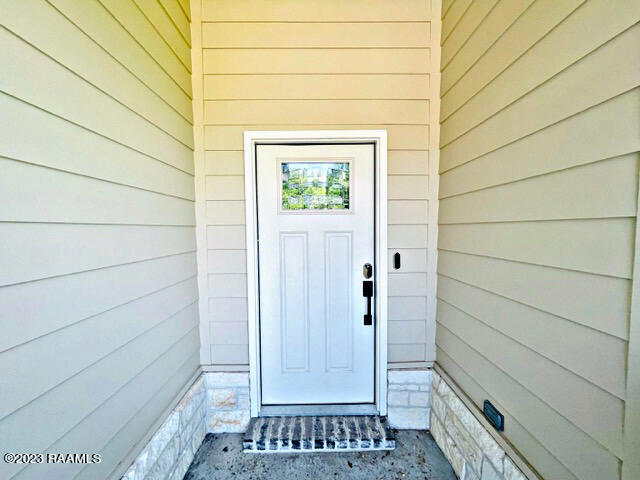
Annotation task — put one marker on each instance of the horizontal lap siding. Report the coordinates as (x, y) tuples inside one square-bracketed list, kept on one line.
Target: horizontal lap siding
[(98, 287), (319, 86), (538, 203), (320, 65), (315, 11)]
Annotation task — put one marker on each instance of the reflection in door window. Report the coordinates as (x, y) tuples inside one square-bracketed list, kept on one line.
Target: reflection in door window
[(315, 186)]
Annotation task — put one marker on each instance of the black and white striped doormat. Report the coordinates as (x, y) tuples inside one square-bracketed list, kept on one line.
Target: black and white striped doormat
[(318, 434)]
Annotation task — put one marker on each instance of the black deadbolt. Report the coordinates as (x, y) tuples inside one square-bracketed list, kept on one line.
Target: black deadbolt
[(367, 270)]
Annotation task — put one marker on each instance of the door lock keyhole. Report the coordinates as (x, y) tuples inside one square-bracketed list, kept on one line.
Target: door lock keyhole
[(367, 270)]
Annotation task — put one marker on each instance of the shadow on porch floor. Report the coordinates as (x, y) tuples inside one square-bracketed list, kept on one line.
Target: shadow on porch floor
[(416, 456)]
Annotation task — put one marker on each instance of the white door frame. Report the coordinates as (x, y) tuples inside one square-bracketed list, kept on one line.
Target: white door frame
[(379, 139)]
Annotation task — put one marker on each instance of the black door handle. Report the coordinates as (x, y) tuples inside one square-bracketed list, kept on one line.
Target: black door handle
[(367, 291)]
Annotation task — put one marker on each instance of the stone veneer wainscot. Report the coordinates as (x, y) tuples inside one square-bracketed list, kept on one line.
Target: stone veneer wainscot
[(418, 399), (170, 451), (408, 399), (468, 446), (228, 402)]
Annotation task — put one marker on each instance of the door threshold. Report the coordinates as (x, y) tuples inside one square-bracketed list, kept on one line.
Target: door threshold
[(309, 410)]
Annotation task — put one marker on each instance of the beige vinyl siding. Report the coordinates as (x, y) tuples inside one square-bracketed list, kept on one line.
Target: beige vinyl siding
[(98, 287), (318, 65), (538, 203)]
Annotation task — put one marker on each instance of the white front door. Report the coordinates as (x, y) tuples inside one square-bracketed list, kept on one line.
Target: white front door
[(315, 236)]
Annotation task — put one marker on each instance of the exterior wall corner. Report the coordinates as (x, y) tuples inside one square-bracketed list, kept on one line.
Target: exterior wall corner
[(170, 451)]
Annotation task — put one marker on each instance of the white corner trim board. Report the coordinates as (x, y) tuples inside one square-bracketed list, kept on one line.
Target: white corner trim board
[(378, 138)]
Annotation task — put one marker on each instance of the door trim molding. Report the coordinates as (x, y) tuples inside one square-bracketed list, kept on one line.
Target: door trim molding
[(318, 410), (379, 139)]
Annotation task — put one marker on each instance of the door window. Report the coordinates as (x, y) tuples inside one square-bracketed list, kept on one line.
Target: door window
[(314, 186)]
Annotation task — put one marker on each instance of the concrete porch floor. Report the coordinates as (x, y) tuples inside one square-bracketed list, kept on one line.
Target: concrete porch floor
[(416, 456)]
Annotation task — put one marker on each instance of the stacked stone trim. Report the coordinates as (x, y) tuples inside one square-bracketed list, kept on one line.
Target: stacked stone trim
[(228, 402), (468, 446), (170, 451), (408, 399)]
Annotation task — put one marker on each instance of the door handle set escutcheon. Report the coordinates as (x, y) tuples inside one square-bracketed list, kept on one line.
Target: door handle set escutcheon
[(367, 291)]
